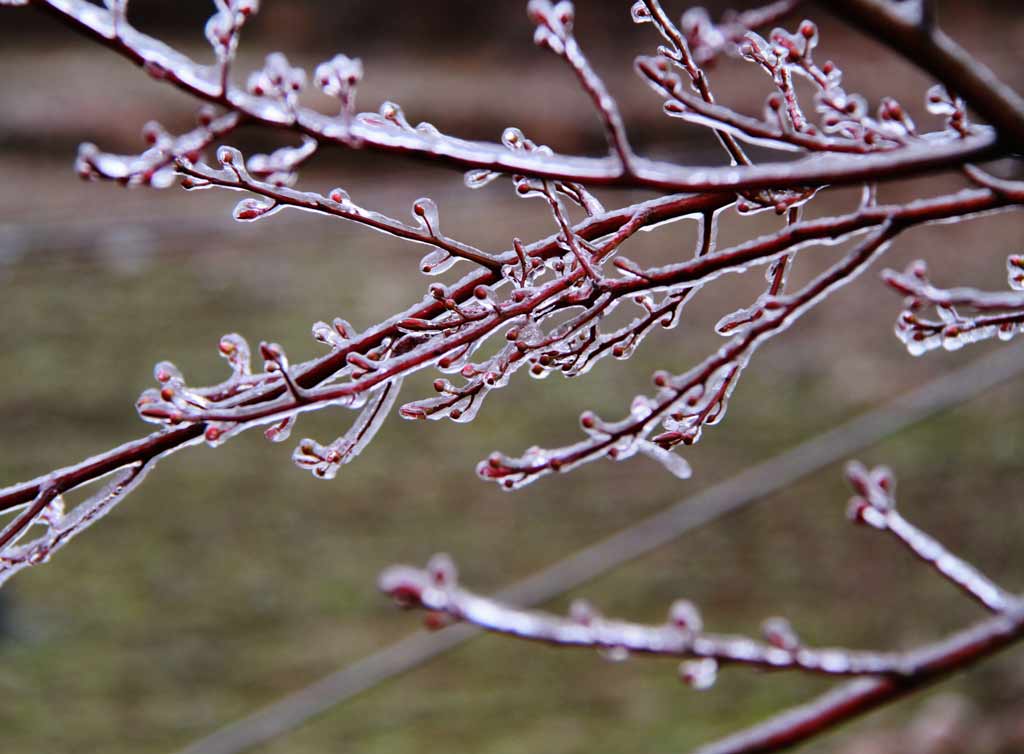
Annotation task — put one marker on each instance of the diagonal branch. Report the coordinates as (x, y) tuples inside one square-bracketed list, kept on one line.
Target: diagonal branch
[(926, 666), (203, 82), (932, 50)]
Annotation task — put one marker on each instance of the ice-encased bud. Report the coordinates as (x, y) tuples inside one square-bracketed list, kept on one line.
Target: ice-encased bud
[(339, 77), (639, 13), (442, 570), (425, 211), (1015, 271), (235, 349), (251, 209), (582, 612), (437, 261), (699, 674), (780, 634), (475, 179), (684, 615)]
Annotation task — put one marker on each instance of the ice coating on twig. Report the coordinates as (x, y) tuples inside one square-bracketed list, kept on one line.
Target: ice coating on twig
[(961, 315), (875, 506), (436, 590)]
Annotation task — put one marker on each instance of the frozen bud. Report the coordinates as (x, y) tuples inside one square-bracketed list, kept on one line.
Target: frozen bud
[(281, 431), (699, 674), (165, 371), (442, 571), (339, 196), (860, 511), (153, 132), (437, 261), (582, 612), (236, 349), (425, 210), (513, 139), (557, 18), (675, 108), (883, 477), (475, 179), (1015, 271), (615, 654), (229, 156), (779, 633), (403, 584), (684, 615), (251, 209), (639, 13), (339, 77)]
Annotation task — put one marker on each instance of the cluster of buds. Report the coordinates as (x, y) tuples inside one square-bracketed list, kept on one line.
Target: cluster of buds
[(156, 165), (223, 27), (875, 498), (962, 315), (554, 23), (339, 77), (278, 80)]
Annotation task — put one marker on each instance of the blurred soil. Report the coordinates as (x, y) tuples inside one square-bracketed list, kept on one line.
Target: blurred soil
[(232, 577)]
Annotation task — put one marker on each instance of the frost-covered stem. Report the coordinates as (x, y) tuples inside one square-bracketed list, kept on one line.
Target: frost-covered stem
[(875, 506), (340, 207), (729, 122), (697, 76), (924, 666), (956, 570), (555, 33), (60, 526), (16, 528), (606, 438), (625, 220), (929, 48), (558, 211), (177, 69), (917, 286), (987, 314), (618, 224), (615, 129), (917, 212), (163, 156), (681, 636), (1013, 190)]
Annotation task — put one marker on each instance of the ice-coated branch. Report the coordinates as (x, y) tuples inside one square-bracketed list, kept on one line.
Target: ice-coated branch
[(682, 636), (684, 403), (549, 303), (678, 52), (875, 505), (60, 526), (885, 676), (156, 166), (255, 390), (617, 225), (914, 35), (705, 39), (554, 31), (925, 666), (379, 132), (962, 315), (337, 203)]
